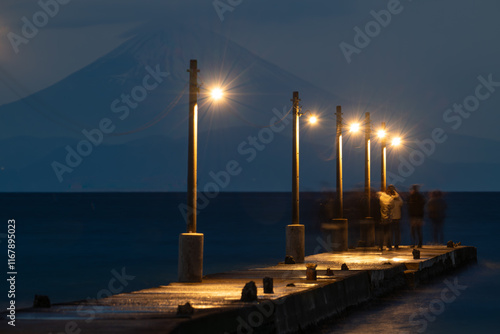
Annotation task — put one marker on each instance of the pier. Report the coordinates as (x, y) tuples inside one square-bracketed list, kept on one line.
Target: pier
[(296, 303)]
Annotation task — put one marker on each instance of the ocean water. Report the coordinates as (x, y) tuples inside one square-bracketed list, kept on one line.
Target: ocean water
[(68, 245)]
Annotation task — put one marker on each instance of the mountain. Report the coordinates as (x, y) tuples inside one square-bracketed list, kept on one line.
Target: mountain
[(100, 90)]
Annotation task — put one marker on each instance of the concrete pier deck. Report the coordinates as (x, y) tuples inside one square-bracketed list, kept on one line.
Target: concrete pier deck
[(296, 303)]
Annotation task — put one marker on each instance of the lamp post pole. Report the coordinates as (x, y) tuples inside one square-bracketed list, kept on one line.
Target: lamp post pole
[(340, 190), (190, 266), (295, 232), (192, 147), (367, 164), (295, 159), (383, 184), (367, 225), (337, 228)]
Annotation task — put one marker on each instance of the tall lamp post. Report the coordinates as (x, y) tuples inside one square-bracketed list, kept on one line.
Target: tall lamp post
[(191, 243), (337, 228), (368, 131), (340, 224), (367, 224), (383, 173), (190, 266), (340, 187), (295, 159), (295, 232)]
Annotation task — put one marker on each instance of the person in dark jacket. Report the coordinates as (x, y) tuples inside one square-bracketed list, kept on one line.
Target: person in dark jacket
[(436, 211), (416, 205)]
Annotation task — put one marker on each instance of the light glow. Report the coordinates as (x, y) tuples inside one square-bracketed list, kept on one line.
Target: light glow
[(396, 141), (313, 119), (354, 127), (381, 133), (217, 94)]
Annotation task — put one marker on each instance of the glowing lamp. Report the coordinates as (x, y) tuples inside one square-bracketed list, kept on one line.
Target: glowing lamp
[(217, 94)]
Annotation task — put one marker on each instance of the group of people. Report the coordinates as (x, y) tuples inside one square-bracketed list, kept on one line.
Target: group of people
[(391, 204)]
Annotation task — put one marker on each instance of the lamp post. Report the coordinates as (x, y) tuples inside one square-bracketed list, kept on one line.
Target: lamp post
[(191, 243), (367, 225), (337, 228), (192, 181), (368, 131), (355, 127), (340, 188), (295, 232), (295, 159), (190, 266), (383, 174)]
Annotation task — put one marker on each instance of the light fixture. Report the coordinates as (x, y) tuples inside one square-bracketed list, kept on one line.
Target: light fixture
[(217, 94), (396, 141), (354, 127)]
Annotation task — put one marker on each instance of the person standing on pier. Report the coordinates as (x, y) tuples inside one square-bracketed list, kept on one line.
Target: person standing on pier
[(386, 204), (396, 216), (416, 204), (436, 211)]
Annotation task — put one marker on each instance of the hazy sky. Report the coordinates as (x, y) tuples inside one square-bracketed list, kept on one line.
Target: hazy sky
[(424, 64), (427, 55)]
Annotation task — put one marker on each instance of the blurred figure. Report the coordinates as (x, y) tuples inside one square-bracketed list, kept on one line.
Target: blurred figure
[(386, 203), (436, 210), (375, 207), (396, 215), (416, 204)]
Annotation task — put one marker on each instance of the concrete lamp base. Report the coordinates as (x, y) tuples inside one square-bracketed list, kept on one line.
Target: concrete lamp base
[(191, 257), (296, 242)]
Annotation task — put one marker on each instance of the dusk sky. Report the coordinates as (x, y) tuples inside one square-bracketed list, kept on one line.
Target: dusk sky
[(427, 68)]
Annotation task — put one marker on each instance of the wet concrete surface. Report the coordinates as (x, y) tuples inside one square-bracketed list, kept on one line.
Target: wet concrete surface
[(154, 310)]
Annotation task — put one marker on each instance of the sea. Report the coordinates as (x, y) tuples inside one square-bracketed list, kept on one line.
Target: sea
[(68, 246)]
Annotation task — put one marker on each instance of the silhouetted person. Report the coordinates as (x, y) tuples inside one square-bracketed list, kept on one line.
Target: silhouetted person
[(386, 203), (436, 210), (416, 204), (396, 216)]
